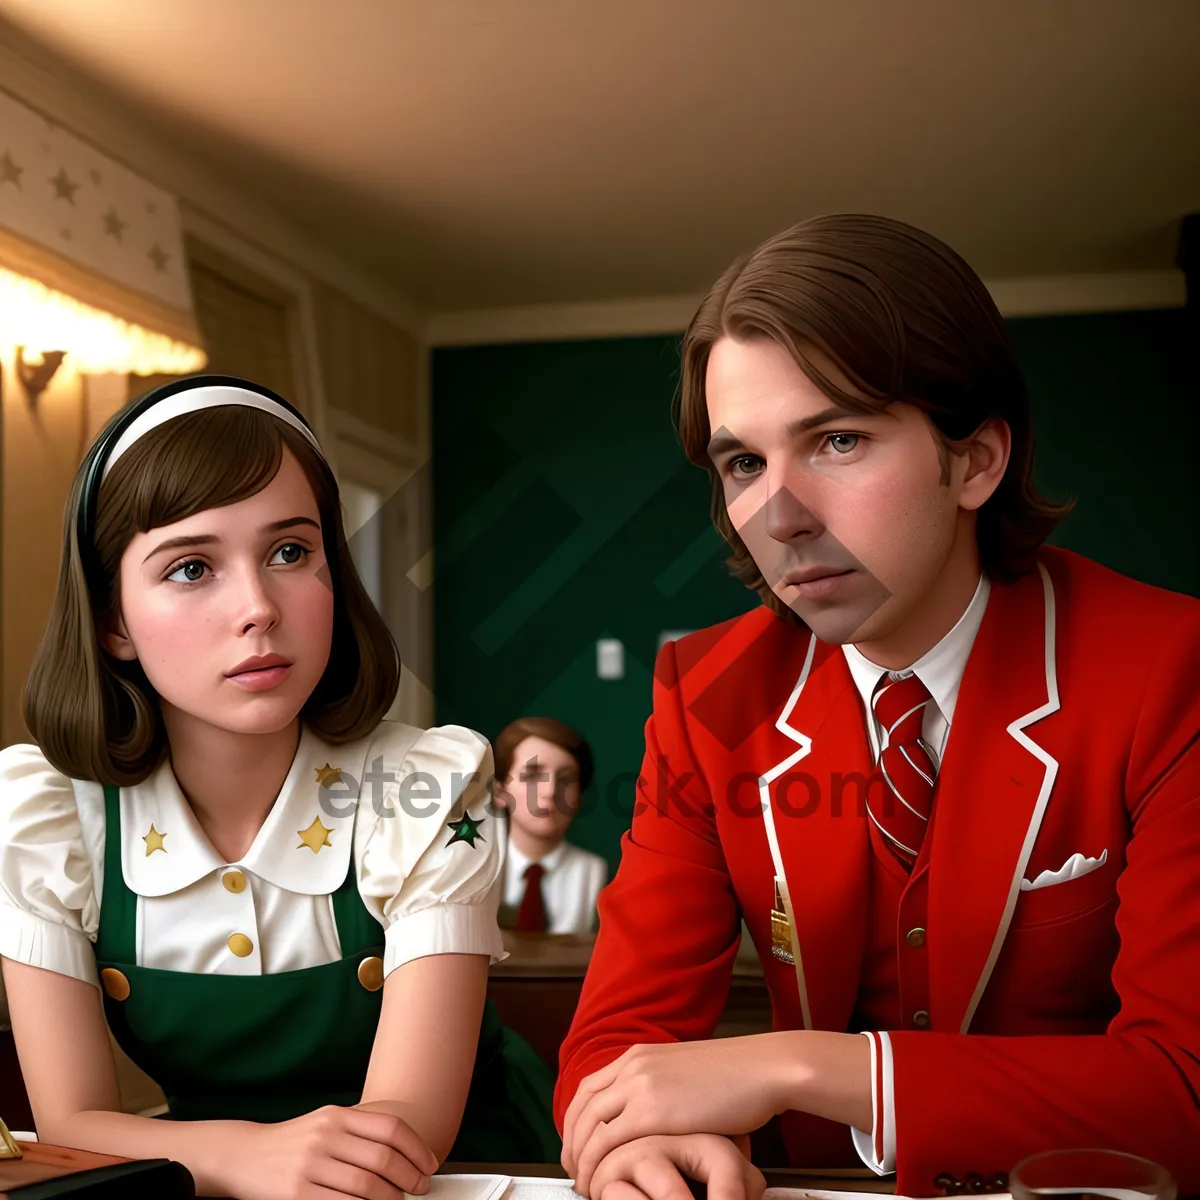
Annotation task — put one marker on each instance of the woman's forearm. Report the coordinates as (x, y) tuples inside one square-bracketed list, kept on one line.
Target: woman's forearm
[(435, 1128), (205, 1148)]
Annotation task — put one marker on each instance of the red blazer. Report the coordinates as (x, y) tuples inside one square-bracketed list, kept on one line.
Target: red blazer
[(1062, 1016)]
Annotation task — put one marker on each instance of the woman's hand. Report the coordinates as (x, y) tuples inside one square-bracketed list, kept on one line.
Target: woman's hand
[(653, 1168), (729, 1086), (330, 1154)]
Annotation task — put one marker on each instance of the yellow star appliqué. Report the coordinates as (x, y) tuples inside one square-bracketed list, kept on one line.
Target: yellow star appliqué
[(314, 837), (154, 841), (327, 775)]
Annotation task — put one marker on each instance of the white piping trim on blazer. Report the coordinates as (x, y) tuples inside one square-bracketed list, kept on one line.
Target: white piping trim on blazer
[(764, 791), (1016, 731)]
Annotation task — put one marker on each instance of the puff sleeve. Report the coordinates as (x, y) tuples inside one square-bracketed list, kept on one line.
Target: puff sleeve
[(49, 913), (430, 867)]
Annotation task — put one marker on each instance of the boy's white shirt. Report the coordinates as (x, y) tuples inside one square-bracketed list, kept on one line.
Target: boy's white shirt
[(570, 887)]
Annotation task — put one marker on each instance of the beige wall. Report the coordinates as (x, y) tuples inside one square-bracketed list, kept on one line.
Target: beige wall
[(42, 447), (369, 366)]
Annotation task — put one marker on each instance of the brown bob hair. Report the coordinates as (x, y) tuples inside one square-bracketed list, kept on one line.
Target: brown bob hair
[(903, 318), (559, 734), (96, 717)]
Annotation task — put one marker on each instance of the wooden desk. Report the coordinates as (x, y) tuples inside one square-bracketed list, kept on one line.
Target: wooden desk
[(40, 1161), (536, 990)]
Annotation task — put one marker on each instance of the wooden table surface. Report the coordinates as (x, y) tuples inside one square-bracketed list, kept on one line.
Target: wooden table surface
[(40, 1161), (43, 1161)]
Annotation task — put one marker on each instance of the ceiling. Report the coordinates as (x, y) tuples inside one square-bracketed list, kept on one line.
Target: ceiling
[(479, 153)]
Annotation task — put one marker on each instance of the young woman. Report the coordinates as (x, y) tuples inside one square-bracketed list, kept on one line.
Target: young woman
[(282, 905)]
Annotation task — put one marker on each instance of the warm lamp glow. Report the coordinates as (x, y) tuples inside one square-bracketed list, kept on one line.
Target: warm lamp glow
[(39, 318)]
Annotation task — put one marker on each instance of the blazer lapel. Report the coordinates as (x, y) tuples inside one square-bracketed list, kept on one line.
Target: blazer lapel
[(993, 786), (812, 799)]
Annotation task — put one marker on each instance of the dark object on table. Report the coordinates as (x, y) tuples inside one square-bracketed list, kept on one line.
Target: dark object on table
[(48, 1172)]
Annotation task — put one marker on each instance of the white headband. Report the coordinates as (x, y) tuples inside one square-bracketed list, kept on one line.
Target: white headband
[(193, 401)]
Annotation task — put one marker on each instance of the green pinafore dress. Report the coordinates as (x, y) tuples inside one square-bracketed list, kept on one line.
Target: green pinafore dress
[(273, 1047)]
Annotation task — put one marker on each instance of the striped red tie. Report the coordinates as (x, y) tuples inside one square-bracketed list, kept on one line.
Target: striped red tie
[(909, 771)]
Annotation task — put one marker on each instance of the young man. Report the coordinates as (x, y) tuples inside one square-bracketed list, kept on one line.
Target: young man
[(949, 775), (550, 886)]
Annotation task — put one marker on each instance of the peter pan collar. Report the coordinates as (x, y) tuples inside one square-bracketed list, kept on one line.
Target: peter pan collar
[(303, 846)]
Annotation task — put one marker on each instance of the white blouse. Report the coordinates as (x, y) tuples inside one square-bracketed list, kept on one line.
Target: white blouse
[(411, 805)]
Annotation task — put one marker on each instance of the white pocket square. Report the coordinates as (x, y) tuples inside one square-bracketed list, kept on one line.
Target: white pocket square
[(1073, 868)]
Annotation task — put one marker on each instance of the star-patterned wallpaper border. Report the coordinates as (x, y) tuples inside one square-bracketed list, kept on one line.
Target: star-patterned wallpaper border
[(63, 194)]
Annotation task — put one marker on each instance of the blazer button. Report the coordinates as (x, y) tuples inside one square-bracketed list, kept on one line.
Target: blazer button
[(947, 1183), (916, 937), (115, 983), (240, 945), (234, 881), (974, 1182), (1000, 1182), (370, 973), (921, 1019)]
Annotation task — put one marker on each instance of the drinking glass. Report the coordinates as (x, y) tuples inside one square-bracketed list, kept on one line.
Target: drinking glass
[(1083, 1174)]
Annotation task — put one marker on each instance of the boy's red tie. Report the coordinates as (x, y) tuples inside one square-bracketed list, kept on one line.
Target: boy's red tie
[(902, 813), (532, 915)]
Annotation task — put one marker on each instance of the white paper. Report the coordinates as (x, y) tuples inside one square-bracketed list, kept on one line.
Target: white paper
[(467, 1187), (530, 1187)]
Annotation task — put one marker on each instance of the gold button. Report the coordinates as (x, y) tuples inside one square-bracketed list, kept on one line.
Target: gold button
[(115, 983), (920, 1018), (916, 937), (234, 881), (370, 973), (240, 944)]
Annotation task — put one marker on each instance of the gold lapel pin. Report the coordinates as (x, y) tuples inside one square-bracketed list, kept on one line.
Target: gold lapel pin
[(781, 930), (154, 841)]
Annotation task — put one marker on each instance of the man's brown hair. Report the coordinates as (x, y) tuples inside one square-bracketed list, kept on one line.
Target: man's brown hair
[(556, 732), (97, 717), (903, 318)]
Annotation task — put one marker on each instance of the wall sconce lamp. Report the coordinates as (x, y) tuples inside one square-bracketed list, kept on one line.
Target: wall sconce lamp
[(35, 377), (33, 315), (94, 277)]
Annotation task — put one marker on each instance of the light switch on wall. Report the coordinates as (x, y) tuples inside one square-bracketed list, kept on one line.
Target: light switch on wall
[(671, 635), (610, 658)]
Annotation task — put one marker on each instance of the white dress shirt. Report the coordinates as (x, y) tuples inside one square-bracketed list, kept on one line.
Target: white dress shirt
[(570, 886), (430, 893), (940, 669)]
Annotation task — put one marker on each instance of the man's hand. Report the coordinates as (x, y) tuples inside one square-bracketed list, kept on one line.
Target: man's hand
[(726, 1086), (653, 1168)]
